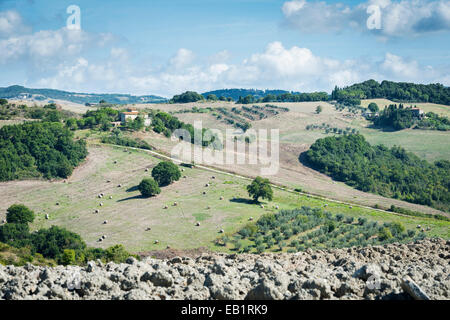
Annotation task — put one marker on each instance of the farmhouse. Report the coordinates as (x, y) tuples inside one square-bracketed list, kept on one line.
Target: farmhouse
[(132, 114)]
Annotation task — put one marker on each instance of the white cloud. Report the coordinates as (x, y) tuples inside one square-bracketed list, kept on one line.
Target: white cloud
[(295, 68), (398, 18), (398, 67), (183, 58), (11, 23), (49, 45), (291, 7)]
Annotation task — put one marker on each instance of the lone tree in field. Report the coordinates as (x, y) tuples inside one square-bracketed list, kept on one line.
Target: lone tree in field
[(149, 188), (373, 107), (18, 213), (165, 173), (260, 188), (319, 109)]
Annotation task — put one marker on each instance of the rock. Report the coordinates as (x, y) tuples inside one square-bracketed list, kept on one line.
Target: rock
[(161, 278), (345, 274), (411, 288), (367, 271), (265, 290), (319, 284)]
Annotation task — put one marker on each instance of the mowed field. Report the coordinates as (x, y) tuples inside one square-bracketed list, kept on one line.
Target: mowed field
[(295, 139), (129, 215)]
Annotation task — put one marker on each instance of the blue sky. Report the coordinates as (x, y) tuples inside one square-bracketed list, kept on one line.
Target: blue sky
[(165, 47)]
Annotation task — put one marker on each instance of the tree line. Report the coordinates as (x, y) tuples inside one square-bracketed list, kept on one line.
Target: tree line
[(35, 149), (389, 172), (396, 91)]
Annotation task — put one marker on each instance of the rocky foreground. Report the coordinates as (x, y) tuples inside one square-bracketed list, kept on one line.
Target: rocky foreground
[(355, 273)]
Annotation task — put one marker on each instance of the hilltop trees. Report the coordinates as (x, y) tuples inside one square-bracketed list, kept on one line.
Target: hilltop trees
[(165, 173), (149, 187), (188, 96), (398, 91), (285, 97), (260, 188), (212, 97)]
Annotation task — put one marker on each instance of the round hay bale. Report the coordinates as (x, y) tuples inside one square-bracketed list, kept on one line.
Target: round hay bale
[(47, 217), (156, 241), (175, 204), (146, 170), (250, 219), (423, 230), (184, 177), (277, 207), (100, 240), (213, 177), (148, 229), (221, 231), (105, 222), (165, 207), (110, 197), (350, 207), (168, 247), (3, 221), (221, 198), (97, 211), (101, 204), (262, 206), (103, 237), (208, 207), (57, 203), (182, 170), (108, 181), (204, 192), (207, 185), (418, 226), (119, 185), (115, 161), (100, 196), (197, 224)]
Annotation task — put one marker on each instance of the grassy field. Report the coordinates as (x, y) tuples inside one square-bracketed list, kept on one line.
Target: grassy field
[(295, 139), (129, 215)]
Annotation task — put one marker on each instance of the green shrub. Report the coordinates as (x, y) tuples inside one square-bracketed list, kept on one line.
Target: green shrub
[(260, 188), (165, 173), (117, 254), (149, 187), (67, 257), (18, 213)]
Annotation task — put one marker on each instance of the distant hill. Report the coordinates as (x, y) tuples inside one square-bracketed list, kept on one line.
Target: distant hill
[(19, 92), (236, 93)]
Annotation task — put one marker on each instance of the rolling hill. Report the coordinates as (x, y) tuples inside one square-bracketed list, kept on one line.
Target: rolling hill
[(19, 92)]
